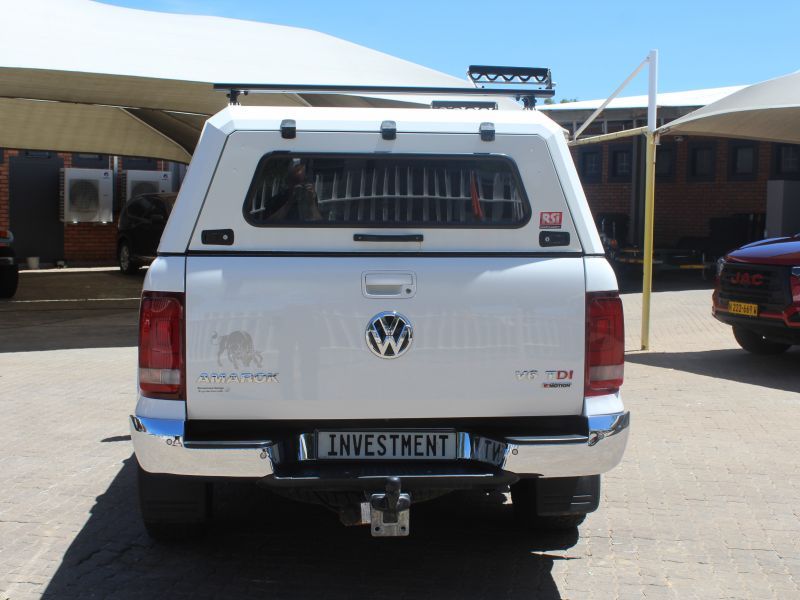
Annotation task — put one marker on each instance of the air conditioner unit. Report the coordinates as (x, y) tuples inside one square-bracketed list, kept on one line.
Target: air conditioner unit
[(146, 182), (87, 195)]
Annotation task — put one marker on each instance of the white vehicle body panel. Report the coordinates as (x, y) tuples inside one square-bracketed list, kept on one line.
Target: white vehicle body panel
[(477, 321)]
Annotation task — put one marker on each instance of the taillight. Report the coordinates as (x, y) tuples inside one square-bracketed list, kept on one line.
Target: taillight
[(605, 343), (161, 365), (795, 282)]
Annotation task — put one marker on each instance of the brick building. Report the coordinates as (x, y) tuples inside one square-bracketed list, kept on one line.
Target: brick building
[(31, 195), (705, 187)]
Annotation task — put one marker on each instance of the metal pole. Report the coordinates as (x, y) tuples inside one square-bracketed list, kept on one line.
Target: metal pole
[(616, 93), (649, 199)]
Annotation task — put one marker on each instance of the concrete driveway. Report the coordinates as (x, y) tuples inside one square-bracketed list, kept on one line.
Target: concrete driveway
[(703, 506)]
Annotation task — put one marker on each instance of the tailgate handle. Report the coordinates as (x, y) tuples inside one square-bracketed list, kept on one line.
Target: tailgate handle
[(387, 237), (389, 284)]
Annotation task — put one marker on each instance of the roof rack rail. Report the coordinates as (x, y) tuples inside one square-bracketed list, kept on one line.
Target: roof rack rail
[(539, 80)]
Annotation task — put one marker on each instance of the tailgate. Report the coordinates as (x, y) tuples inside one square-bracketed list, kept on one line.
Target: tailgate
[(286, 337)]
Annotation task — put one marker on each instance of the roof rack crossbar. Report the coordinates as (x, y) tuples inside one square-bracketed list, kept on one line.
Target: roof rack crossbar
[(539, 82), (277, 88)]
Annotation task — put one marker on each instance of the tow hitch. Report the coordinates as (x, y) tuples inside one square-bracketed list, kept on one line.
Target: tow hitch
[(390, 512)]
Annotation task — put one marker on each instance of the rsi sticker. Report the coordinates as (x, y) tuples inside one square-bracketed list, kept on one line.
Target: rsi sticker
[(746, 279), (550, 220), (558, 379)]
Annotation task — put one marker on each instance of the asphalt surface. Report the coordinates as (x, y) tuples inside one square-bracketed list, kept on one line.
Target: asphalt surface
[(704, 504)]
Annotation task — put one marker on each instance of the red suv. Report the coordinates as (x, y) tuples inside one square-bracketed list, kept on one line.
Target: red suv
[(758, 292)]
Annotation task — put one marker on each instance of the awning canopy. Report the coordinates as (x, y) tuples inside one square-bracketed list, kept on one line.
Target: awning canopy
[(82, 76), (768, 111)]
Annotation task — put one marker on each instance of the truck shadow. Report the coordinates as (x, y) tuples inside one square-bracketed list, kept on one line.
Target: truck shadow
[(777, 372), (463, 546), (56, 310)]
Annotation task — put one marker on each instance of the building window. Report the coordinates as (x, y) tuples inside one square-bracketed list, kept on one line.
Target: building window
[(90, 161), (702, 161), (742, 160), (665, 162), (787, 161), (595, 128), (615, 126), (37, 153), (139, 164), (591, 165), (2, 156), (620, 162)]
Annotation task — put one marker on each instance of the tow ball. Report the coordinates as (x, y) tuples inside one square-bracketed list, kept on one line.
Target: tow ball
[(390, 512)]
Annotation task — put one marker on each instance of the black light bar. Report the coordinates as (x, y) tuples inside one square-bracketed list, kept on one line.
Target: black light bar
[(510, 75), (476, 104)]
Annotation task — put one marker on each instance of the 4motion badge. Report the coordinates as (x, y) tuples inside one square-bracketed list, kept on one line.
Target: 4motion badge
[(389, 334)]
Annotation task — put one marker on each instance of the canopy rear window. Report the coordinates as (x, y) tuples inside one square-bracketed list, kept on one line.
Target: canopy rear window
[(386, 191)]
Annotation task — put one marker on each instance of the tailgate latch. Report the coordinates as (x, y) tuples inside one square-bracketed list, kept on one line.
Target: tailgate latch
[(390, 512)]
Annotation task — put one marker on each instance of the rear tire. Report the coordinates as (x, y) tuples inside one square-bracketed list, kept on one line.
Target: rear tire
[(552, 508), (756, 343), (174, 508), (125, 259), (9, 280)]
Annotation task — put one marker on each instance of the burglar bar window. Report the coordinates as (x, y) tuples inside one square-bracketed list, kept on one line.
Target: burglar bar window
[(665, 162), (702, 161), (391, 191), (742, 160), (621, 163), (787, 161), (591, 165)]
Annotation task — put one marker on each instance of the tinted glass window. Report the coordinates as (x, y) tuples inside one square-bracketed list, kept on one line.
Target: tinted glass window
[(744, 160), (136, 208), (788, 160), (665, 161), (591, 165), (701, 165), (390, 191)]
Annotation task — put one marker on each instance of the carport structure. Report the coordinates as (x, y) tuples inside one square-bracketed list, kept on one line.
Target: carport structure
[(83, 84), (81, 76)]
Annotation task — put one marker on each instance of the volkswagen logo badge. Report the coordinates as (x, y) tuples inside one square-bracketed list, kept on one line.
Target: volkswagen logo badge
[(389, 334)]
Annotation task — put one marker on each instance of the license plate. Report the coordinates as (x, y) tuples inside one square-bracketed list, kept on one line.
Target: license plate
[(743, 308), (386, 445)]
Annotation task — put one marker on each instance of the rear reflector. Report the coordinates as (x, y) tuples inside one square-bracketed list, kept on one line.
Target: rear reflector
[(161, 366), (605, 343)]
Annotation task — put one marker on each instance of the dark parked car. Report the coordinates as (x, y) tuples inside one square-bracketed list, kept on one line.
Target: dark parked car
[(141, 224), (758, 293), (9, 273)]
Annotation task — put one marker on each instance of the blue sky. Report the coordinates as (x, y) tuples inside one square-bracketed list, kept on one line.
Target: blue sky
[(590, 46)]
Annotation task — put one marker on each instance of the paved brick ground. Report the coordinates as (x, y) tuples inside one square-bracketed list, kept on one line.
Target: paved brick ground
[(703, 506)]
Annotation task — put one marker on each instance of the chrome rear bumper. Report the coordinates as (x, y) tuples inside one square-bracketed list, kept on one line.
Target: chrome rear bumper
[(161, 447)]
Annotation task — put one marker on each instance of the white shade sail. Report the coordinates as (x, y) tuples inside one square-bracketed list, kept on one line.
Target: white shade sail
[(82, 76), (768, 111)]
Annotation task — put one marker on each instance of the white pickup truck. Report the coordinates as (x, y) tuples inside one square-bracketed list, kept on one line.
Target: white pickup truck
[(371, 307)]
